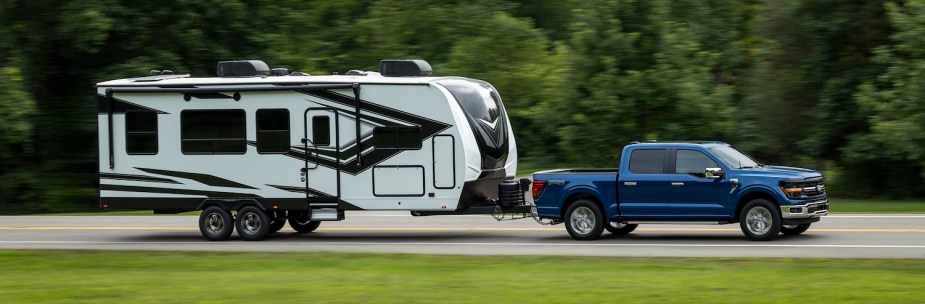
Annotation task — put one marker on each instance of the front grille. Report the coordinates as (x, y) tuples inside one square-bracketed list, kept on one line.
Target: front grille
[(812, 188)]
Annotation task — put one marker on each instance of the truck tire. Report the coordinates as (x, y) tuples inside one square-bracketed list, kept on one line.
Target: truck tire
[(302, 224), (277, 225), (760, 220), (584, 220), (619, 228), (216, 224), (252, 223), (794, 229)]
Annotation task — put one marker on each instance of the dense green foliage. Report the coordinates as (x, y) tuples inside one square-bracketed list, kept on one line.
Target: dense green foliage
[(828, 84)]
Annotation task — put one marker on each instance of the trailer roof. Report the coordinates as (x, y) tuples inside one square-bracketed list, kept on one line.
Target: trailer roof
[(185, 79)]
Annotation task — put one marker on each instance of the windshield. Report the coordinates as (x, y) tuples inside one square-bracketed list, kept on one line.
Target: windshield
[(733, 158)]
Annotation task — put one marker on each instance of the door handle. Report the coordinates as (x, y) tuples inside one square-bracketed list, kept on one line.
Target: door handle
[(629, 183), (677, 184)]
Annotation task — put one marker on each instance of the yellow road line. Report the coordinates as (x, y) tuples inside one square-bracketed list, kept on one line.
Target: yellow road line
[(882, 230)]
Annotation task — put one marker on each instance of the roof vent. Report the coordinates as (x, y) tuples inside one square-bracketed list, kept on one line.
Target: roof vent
[(356, 73), (242, 68), (400, 68), (279, 72)]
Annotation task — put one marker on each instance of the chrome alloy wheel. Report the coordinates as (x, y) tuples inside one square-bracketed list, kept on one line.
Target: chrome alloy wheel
[(583, 220), (617, 225), (790, 226), (215, 223), (251, 223), (759, 220)]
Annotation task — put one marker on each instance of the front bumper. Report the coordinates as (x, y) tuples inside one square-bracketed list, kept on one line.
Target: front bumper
[(806, 211)]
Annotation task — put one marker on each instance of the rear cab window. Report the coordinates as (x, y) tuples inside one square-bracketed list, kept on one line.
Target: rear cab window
[(648, 161)]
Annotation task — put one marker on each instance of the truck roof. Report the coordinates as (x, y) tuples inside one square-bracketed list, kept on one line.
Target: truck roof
[(669, 144)]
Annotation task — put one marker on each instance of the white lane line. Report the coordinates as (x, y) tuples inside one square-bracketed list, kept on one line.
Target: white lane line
[(481, 244)]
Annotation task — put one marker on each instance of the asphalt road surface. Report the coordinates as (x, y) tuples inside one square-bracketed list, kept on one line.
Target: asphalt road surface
[(837, 236)]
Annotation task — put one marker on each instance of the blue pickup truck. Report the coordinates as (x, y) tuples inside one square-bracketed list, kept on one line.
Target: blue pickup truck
[(708, 182)]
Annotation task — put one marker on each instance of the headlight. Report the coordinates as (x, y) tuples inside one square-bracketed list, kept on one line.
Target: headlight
[(792, 189)]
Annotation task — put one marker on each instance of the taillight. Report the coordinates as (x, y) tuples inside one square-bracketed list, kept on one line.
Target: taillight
[(538, 187)]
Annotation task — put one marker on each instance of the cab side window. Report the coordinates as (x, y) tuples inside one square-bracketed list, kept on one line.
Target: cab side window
[(693, 162)]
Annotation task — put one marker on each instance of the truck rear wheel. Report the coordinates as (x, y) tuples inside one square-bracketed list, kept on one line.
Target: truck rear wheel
[(302, 224), (760, 220), (584, 220), (794, 229), (616, 228), (252, 223), (216, 224)]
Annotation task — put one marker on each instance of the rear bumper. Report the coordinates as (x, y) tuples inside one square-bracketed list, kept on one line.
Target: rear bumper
[(812, 210)]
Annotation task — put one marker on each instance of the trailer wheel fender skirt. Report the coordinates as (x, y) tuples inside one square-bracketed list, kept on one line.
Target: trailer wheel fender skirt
[(230, 204)]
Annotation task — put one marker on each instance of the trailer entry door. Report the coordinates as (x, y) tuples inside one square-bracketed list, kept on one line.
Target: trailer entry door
[(322, 150)]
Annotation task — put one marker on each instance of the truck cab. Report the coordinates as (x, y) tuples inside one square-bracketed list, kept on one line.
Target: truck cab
[(708, 182)]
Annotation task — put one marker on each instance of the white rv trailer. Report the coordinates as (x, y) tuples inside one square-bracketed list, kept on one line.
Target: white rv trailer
[(271, 146)]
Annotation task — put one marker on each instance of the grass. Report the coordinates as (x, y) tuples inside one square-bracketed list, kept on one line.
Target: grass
[(149, 277)]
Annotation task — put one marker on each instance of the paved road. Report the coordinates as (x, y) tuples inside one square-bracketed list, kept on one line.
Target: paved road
[(839, 236)]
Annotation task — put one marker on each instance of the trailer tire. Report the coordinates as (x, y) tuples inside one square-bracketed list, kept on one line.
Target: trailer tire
[(794, 229), (584, 220), (620, 229), (252, 223), (302, 224), (277, 225), (760, 220), (216, 224)]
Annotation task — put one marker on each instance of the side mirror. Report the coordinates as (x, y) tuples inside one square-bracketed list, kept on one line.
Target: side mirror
[(714, 173)]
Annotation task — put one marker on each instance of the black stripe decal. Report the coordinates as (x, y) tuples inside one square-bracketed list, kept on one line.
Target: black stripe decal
[(310, 191), (210, 96), (429, 128), (210, 180), (137, 178), (120, 106), (211, 194)]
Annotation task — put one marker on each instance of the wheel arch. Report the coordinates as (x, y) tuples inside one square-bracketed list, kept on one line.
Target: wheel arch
[(756, 193), (230, 204), (577, 196)]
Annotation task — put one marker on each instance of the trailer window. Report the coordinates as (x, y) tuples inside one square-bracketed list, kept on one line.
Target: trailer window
[(272, 131), (141, 132), (405, 138), (321, 131), (213, 132), (648, 161)]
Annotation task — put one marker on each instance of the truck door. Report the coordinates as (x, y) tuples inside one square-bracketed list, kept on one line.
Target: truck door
[(643, 188), (322, 149), (692, 194)]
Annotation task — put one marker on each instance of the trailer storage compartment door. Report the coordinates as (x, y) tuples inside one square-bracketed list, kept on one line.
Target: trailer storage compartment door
[(444, 162), (398, 181)]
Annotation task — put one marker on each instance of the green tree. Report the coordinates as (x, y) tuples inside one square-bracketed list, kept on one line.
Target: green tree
[(895, 104), (526, 68), (641, 72)]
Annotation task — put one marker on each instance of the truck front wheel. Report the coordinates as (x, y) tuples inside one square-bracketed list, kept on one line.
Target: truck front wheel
[(794, 229), (760, 220), (584, 220)]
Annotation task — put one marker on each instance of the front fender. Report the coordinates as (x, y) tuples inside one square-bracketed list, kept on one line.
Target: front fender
[(750, 189)]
